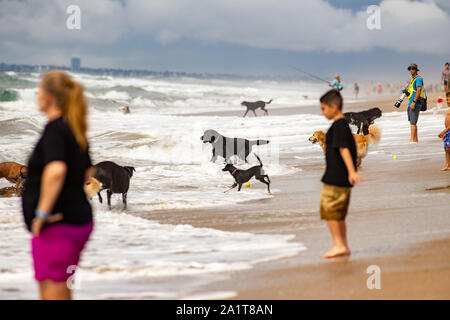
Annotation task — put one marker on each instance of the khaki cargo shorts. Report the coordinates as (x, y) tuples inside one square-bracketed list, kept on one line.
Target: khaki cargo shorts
[(334, 202)]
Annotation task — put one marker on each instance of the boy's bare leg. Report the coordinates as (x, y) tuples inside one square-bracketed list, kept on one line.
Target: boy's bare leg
[(339, 234), (447, 160)]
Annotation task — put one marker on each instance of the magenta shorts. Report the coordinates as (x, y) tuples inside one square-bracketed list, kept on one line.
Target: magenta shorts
[(57, 248)]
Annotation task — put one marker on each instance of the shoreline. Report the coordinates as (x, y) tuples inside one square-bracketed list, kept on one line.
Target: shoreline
[(385, 103)]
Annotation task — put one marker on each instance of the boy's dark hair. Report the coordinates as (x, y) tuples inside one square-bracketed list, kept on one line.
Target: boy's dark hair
[(447, 94), (332, 97)]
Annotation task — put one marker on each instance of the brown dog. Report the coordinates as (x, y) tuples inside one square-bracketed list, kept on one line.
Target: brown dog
[(362, 142), (13, 172)]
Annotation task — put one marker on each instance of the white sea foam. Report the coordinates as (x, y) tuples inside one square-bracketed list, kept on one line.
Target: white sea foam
[(115, 95), (127, 248)]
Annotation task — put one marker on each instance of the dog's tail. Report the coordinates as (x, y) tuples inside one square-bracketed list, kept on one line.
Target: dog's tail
[(269, 101), (374, 135), (260, 162), (258, 142), (130, 170)]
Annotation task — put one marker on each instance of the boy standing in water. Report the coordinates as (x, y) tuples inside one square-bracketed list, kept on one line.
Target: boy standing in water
[(340, 173), (445, 136)]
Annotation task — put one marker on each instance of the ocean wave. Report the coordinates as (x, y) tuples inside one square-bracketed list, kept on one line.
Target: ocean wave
[(9, 95), (8, 79), (115, 95), (18, 126)]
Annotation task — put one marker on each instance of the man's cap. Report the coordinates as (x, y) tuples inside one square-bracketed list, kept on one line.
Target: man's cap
[(413, 66)]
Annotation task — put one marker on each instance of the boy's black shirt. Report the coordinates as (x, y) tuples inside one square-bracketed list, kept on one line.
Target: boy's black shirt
[(338, 136)]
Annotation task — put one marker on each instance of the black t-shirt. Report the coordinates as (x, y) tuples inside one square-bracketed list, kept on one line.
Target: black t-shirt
[(58, 144), (338, 136)]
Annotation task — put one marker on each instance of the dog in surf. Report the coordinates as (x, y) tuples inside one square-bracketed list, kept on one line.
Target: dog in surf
[(227, 147), (243, 176)]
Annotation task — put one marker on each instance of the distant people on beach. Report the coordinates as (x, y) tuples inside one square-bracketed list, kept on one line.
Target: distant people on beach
[(356, 90), (445, 136), (126, 110), (379, 88), (337, 84), (54, 204), (445, 78), (340, 173), (415, 102)]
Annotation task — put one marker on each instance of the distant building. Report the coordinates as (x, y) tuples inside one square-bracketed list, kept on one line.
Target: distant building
[(75, 65)]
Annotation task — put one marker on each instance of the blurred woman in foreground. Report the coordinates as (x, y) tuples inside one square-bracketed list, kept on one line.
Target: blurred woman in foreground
[(55, 207)]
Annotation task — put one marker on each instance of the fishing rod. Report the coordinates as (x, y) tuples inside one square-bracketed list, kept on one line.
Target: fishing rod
[(311, 75)]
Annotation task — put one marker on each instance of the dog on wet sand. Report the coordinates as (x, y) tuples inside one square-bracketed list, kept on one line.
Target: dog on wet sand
[(255, 105)]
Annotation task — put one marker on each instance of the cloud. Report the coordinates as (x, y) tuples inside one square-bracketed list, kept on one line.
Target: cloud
[(303, 26)]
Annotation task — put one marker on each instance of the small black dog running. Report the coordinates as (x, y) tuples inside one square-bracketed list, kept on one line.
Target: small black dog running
[(242, 176)]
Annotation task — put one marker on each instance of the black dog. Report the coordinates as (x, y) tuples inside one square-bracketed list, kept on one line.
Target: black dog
[(363, 119), (242, 176), (228, 147), (255, 105), (115, 179)]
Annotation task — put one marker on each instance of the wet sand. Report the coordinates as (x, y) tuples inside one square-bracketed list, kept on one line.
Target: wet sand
[(399, 220)]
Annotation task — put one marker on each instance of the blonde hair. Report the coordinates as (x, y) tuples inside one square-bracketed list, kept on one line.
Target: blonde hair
[(68, 95)]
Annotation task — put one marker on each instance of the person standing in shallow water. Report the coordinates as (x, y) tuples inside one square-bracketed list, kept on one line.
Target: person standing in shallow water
[(54, 204), (415, 90)]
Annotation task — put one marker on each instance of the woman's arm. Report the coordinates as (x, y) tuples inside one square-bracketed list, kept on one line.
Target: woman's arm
[(53, 178), (353, 177)]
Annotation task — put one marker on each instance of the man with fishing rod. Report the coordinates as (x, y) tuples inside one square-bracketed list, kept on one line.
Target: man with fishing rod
[(336, 84)]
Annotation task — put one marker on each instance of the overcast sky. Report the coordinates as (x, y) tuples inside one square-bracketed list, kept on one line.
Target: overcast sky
[(232, 36)]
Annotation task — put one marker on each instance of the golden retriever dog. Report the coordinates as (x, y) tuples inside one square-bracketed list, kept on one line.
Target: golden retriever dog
[(362, 142), (92, 187), (13, 172)]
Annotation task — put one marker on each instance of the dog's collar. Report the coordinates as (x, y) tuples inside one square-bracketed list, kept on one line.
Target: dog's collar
[(234, 171)]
